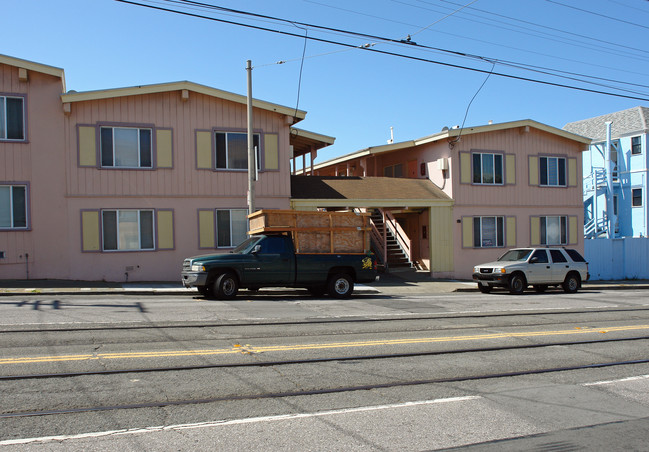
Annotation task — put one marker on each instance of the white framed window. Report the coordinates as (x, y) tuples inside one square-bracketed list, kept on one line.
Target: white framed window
[(636, 197), (12, 118), (554, 230), (13, 207), (552, 171), (125, 147), (127, 230), (232, 150), (487, 168), (636, 145), (488, 232), (231, 227)]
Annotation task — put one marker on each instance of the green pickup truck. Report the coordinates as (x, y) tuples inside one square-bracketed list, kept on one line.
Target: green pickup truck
[(270, 261)]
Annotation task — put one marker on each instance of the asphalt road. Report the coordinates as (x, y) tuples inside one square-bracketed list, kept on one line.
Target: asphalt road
[(286, 371)]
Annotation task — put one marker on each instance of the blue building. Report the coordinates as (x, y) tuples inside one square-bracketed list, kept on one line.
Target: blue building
[(615, 173)]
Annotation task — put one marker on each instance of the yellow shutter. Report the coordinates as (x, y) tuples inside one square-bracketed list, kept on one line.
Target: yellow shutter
[(465, 168), (271, 152), (165, 229), (164, 155), (90, 240), (467, 232), (511, 232), (87, 146), (535, 231), (204, 150), (534, 170), (510, 169), (206, 231), (573, 233), (572, 172)]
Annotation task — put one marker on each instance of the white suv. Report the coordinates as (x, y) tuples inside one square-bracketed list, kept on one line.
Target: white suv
[(540, 267)]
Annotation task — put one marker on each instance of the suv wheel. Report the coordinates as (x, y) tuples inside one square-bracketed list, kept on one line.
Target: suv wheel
[(517, 284), (571, 283)]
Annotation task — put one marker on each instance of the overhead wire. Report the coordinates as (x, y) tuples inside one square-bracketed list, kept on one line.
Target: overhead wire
[(383, 52), (598, 14)]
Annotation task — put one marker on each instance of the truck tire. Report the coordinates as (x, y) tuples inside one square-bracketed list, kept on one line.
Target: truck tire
[(517, 284), (205, 291), (340, 285), (571, 283), (226, 286)]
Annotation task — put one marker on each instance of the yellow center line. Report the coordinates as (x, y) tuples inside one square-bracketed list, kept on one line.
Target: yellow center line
[(238, 349)]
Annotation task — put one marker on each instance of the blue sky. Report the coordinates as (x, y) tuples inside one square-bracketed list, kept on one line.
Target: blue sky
[(352, 94)]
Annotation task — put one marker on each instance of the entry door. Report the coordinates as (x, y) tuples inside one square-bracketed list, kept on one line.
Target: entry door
[(412, 169)]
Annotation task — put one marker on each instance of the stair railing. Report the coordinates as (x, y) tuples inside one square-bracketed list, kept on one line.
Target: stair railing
[(399, 234)]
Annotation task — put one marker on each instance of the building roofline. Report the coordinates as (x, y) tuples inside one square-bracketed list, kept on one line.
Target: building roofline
[(178, 86), (327, 140), (33, 66), (452, 133)]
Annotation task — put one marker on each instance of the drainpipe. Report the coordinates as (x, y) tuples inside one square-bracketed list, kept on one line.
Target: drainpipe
[(610, 233)]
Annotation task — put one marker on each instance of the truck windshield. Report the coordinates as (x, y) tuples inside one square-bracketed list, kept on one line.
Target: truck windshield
[(515, 255), (246, 245)]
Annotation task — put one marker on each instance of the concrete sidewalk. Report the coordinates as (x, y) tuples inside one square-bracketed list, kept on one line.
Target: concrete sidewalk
[(409, 283)]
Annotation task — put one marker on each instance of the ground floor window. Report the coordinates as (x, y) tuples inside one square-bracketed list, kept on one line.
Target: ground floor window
[(127, 230), (231, 227), (13, 207), (554, 230), (488, 232)]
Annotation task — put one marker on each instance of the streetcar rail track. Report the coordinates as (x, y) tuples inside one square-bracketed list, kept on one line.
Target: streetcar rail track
[(162, 404), (327, 321), (312, 360)]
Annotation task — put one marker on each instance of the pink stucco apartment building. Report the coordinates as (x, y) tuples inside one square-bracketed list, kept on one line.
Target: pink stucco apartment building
[(512, 184), (123, 184)]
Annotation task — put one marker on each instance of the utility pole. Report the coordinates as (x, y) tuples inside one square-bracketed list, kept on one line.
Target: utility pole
[(252, 160)]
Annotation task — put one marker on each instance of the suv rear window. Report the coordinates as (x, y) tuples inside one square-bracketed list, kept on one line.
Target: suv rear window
[(575, 256)]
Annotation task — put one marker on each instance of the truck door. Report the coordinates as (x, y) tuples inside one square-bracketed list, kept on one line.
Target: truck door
[(272, 265), (540, 271)]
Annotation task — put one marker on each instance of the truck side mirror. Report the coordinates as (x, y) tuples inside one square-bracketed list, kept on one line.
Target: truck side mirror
[(256, 249)]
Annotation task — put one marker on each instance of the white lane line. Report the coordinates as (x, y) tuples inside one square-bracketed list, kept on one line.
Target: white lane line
[(608, 382), (283, 417)]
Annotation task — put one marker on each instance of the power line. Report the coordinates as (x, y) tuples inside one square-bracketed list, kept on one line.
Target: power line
[(383, 52), (598, 14)]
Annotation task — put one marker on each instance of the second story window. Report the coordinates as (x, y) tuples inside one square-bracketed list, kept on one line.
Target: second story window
[(393, 170), (13, 207), (636, 197), (123, 147), (636, 145), (552, 171), (12, 118), (232, 150), (487, 169)]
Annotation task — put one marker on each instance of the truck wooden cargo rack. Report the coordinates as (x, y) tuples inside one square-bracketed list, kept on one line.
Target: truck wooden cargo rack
[(316, 232)]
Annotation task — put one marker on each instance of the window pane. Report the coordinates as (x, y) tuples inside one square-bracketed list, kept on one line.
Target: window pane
[(488, 231), (239, 226), (15, 130), (557, 256), (636, 145), (5, 207), (221, 151), (477, 169), (128, 230), (19, 208), (110, 229), (553, 230), (544, 240), (106, 146), (637, 197), (3, 131), (564, 230), (553, 175), (126, 147), (223, 228), (543, 170), (387, 171), (398, 170), (487, 168), (255, 143), (500, 231), (562, 171), (145, 148), (477, 239), (237, 151), (498, 169), (146, 229)]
